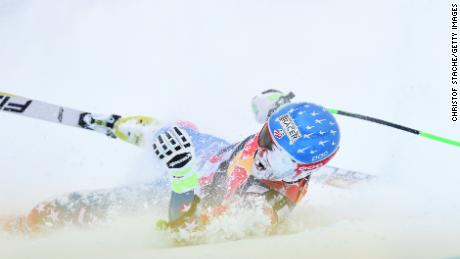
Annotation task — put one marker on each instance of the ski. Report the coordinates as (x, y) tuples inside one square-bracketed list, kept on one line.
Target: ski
[(111, 125)]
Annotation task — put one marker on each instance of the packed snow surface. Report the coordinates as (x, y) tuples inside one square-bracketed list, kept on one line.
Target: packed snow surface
[(203, 61)]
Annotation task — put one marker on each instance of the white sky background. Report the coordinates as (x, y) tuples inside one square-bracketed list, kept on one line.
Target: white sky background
[(203, 61)]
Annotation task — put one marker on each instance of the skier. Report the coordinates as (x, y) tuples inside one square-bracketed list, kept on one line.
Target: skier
[(207, 174)]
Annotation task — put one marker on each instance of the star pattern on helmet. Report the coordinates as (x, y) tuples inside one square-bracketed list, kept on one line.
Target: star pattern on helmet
[(319, 132), (322, 143), (317, 121), (302, 150), (308, 135)]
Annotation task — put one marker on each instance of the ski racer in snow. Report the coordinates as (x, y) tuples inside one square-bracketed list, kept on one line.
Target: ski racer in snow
[(207, 174)]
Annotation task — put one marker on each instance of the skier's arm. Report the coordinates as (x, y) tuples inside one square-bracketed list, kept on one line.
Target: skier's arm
[(281, 201), (264, 104), (175, 150), (275, 204)]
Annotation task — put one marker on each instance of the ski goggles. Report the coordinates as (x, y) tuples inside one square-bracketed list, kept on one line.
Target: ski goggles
[(265, 139)]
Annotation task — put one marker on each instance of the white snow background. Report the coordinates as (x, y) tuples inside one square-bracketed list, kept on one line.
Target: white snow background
[(202, 61)]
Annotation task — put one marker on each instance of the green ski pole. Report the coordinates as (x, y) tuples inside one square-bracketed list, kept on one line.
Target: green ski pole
[(397, 126)]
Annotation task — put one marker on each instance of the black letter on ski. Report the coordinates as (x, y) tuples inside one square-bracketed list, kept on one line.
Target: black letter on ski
[(13, 107)]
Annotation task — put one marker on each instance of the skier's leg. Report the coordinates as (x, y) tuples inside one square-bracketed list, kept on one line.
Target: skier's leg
[(70, 209), (84, 209)]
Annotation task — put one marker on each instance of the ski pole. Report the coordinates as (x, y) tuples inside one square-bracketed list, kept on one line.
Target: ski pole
[(397, 126)]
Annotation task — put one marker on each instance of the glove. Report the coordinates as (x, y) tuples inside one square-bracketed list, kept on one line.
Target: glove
[(264, 104), (174, 149)]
